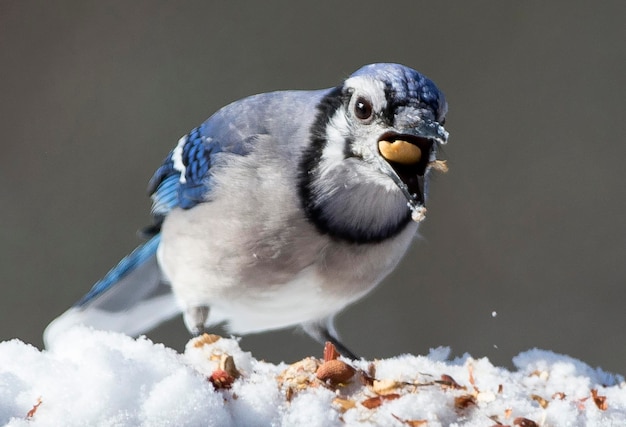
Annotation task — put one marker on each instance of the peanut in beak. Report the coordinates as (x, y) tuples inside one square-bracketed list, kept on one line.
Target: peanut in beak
[(405, 153), (400, 151)]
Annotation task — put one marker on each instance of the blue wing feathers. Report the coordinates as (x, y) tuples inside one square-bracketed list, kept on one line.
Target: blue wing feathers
[(196, 156), (165, 196), (197, 162), (183, 179)]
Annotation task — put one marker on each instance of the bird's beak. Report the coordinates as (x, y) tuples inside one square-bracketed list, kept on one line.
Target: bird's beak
[(406, 157)]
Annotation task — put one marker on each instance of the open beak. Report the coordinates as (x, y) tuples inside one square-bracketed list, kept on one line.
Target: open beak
[(407, 156)]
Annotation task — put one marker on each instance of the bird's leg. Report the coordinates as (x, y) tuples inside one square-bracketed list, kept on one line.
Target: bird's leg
[(325, 331), (195, 319)]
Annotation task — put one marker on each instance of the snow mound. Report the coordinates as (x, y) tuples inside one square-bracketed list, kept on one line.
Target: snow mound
[(106, 379)]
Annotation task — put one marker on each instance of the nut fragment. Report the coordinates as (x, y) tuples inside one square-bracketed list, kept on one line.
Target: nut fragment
[(600, 401), (376, 401), (400, 151), (335, 372), (439, 166), (344, 404), (464, 401), (386, 386), (221, 379), (524, 422), (227, 364), (298, 376), (330, 352), (205, 339), (540, 400), (447, 381), (543, 375), (33, 410)]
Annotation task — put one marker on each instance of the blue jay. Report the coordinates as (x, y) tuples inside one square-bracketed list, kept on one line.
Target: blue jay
[(280, 210)]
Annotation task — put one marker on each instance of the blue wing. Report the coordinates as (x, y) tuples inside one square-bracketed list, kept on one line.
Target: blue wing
[(184, 180)]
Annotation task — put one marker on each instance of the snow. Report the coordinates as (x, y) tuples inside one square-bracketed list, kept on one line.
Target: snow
[(100, 378)]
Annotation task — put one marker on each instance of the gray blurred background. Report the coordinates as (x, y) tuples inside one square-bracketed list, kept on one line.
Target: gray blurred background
[(528, 223)]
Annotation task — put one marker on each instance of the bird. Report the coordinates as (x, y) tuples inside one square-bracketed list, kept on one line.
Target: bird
[(280, 210)]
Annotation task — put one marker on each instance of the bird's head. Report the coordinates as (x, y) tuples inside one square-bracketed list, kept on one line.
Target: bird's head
[(374, 141)]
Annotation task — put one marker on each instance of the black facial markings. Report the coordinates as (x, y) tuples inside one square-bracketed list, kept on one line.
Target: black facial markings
[(347, 148), (389, 112), (311, 158), (313, 154)]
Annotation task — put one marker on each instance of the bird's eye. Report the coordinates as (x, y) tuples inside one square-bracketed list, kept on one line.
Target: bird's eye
[(363, 108)]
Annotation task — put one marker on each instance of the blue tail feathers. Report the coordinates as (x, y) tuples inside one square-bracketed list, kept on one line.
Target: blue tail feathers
[(131, 298), (126, 266)]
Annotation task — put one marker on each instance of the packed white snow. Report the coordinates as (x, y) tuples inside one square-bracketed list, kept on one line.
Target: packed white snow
[(93, 378)]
